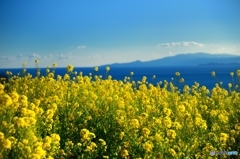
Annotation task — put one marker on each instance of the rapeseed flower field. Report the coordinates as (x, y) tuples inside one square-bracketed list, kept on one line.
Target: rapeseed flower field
[(87, 117)]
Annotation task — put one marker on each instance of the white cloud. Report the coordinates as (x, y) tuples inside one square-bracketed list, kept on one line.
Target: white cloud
[(47, 57), (61, 56), (164, 45), (228, 49), (9, 57), (34, 56), (181, 44), (19, 56), (82, 47)]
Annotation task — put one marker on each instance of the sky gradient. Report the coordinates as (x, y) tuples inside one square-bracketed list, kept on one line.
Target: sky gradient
[(92, 33)]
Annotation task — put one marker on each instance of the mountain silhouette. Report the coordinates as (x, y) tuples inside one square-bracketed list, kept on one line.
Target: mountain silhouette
[(190, 59)]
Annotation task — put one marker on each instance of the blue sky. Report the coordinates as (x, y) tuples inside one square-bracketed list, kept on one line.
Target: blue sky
[(91, 33)]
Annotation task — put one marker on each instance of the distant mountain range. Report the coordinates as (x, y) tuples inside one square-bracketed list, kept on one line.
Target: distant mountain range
[(190, 59)]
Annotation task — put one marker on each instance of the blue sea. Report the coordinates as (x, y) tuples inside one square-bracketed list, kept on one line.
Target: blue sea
[(200, 74)]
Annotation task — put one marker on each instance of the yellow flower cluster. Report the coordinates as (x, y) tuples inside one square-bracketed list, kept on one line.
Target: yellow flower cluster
[(76, 116)]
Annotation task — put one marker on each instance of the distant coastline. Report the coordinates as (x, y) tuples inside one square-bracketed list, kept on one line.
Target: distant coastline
[(220, 64)]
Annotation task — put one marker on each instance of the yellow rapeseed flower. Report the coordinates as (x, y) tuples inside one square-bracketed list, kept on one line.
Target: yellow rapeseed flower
[(66, 77), (1, 136), (121, 135), (14, 96), (1, 87), (5, 100), (134, 123), (148, 146), (121, 104), (177, 74), (69, 68), (238, 73), (51, 75), (144, 115), (215, 127), (171, 134), (103, 143), (124, 153), (7, 144), (237, 126), (223, 118), (167, 122), (19, 121), (213, 113), (177, 125), (109, 77), (204, 107), (198, 121), (96, 68), (229, 85), (55, 137), (39, 153), (49, 113), (107, 68), (109, 99), (172, 152), (24, 64), (181, 80), (181, 108), (23, 100), (54, 65), (145, 132), (84, 133), (203, 88), (213, 73), (93, 146), (30, 120), (158, 137), (25, 141), (224, 137), (167, 111)]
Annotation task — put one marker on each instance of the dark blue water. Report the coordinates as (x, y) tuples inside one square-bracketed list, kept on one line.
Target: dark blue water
[(199, 74)]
